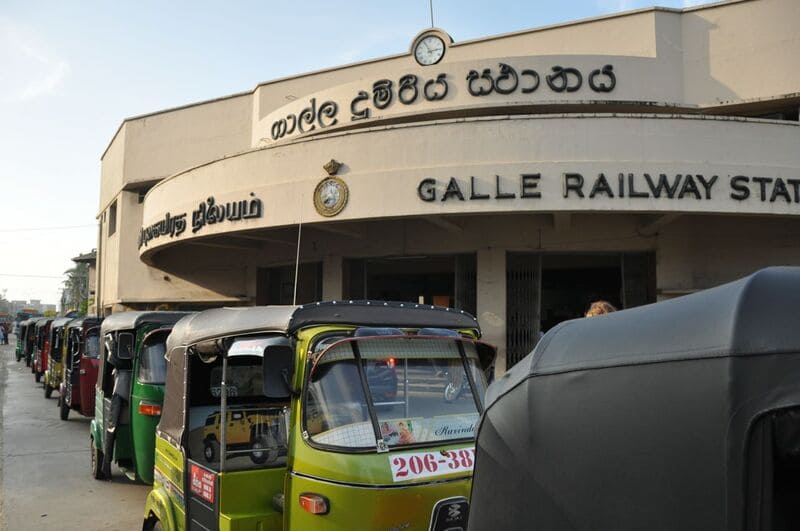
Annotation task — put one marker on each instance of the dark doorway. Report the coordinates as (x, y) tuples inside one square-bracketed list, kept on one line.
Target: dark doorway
[(543, 290), (570, 283), (444, 280), (275, 285)]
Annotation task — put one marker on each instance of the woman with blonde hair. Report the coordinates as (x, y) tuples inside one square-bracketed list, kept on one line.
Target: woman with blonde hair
[(600, 308)]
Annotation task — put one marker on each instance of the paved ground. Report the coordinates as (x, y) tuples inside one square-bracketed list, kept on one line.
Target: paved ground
[(44, 465)]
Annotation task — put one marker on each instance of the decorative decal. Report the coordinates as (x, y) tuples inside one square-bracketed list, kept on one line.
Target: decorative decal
[(202, 483), (330, 196)]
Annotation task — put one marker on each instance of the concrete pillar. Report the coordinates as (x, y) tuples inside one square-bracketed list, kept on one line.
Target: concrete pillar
[(331, 278), (491, 301)]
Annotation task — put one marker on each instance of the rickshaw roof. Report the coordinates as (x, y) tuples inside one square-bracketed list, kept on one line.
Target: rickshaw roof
[(132, 320), (655, 406), (61, 321), (225, 322), (44, 321), (80, 321)]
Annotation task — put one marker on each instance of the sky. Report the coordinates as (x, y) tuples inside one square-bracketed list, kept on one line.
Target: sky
[(71, 71)]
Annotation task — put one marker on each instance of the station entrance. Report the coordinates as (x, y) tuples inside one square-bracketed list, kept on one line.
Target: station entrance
[(545, 289), (441, 280)]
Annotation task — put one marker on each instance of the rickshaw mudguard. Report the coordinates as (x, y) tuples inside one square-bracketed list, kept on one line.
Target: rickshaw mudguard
[(96, 432), (166, 500), (158, 505)]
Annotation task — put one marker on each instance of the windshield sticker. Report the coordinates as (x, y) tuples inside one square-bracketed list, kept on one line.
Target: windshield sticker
[(398, 432), (410, 431), (421, 465)]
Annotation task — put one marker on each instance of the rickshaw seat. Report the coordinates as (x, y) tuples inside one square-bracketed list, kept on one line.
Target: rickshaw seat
[(277, 502)]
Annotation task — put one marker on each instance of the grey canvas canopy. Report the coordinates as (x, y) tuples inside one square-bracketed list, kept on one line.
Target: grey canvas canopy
[(61, 321), (285, 320), (132, 320), (675, 415)]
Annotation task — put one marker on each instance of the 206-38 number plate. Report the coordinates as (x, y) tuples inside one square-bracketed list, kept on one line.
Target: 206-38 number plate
[(431, 464)]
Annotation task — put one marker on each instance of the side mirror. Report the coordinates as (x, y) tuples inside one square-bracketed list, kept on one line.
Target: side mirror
[(278, 371), (125, 342)]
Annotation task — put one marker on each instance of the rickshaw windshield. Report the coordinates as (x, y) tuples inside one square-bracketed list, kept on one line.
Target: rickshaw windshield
[(92, 349), (417, 392), (152, 364)]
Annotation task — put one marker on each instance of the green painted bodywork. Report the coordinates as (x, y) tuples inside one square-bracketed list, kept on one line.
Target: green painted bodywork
[(359, 486), (134, 445)]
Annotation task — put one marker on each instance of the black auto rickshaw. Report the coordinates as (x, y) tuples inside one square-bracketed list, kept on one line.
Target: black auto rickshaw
[(29, 347), (680, 415)]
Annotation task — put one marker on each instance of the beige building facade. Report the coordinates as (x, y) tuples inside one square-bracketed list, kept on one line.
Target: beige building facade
[(631, 158)]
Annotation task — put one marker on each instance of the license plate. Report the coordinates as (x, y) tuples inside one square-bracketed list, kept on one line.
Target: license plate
[(420, 465)]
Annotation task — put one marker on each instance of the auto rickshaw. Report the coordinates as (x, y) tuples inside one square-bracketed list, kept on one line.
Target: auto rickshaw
[(683, 414), (53, 369), (129, 393), (81, 359), (31, 340), (21, 331), (324, 416), (42, 349)]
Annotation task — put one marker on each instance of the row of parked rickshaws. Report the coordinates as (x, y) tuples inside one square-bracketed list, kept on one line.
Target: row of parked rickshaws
[(341, 415)]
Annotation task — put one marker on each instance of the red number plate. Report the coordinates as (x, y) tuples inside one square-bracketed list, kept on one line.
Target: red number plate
[(202, 483)]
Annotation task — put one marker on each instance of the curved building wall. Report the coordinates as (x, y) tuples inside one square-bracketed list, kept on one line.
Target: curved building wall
[(658, 144)]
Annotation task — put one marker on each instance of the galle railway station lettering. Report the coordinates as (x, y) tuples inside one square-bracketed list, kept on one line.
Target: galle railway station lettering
[(408, 89), (208, 212), (620, 185)]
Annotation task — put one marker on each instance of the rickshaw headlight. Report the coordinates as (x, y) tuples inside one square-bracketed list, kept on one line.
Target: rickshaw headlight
[(314, 503)]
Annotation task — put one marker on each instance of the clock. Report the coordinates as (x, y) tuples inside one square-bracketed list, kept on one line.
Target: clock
[(429, 50)]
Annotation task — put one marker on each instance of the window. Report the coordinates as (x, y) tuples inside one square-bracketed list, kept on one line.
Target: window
[(255, 427), (92, 345), (152, 365), (112, 219), (418, 389)]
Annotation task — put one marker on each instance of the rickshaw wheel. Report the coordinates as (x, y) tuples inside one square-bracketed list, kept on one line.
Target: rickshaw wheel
[(97, 460), (37, 376), (48, 391), (63, 408), (210, 449), (157, 526), (262, 450)]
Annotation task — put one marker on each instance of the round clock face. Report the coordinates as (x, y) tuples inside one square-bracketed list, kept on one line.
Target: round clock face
[(429, 50)]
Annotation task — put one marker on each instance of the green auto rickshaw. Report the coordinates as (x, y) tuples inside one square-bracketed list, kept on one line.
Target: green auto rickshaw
[(22, 332), (53, 370), (129, 393), (324, 416)]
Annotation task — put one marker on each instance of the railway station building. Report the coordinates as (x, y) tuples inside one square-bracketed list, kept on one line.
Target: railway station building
[(633, 158)]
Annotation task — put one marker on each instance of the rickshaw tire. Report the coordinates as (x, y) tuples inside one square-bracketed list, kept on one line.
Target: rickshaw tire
[(37, 376), (157, 526), (63, 409), (97, 461), (48, 391)]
